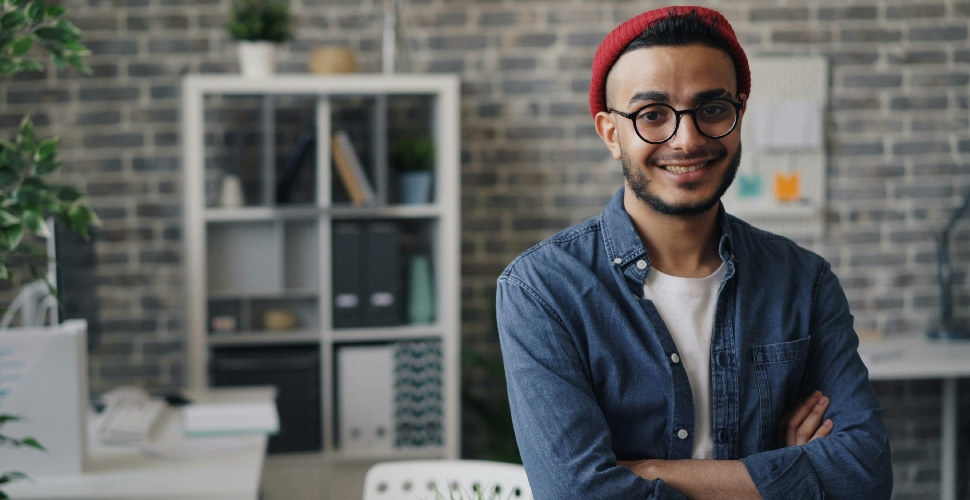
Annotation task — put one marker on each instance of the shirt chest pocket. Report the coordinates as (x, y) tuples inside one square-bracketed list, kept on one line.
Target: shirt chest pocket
[(779, 369)]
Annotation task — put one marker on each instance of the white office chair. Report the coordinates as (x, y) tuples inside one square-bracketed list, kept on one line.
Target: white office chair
[(446, 480)]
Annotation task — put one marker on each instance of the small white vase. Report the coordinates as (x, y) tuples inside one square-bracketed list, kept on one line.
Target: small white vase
[(257, 59)]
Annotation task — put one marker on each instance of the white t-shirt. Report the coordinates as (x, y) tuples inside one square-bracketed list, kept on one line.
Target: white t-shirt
[(687, 307)]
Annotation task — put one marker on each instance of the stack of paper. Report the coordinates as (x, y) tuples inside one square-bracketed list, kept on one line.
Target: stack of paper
[(230, 418)]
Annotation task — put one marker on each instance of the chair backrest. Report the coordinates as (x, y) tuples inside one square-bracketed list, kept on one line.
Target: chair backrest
[(446, 480)]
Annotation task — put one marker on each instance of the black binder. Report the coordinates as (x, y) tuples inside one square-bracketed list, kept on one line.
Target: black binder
[(383, 305), (348, 274)]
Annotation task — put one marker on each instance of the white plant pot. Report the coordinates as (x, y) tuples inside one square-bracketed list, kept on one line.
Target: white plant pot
[(257, 59)]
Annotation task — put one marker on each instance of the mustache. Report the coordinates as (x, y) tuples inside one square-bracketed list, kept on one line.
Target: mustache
[(713, 154)]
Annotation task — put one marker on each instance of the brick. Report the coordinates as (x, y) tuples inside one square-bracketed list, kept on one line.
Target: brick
[(908, 12), (463, 42), (920, 147), (111, 47), (919, 103), (446, 66), (113, 141), (574, 15), (155, 164), (841, 13), (940, 80), (517, 63), (588, 40), (99, 118), (490, 19), (38, 96), (851, 58), (940, 33), (529, 86), (843, 104), (535, 41), (870, 35), (109, 94), (178, 45), (802, 36), (158, 210), (779, 14), (864, 148), (918, 57), (873, 80)]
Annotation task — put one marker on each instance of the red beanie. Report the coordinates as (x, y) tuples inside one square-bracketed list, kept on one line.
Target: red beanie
[(614, 44)]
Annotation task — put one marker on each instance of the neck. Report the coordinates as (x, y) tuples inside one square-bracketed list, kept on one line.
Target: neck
[(683, 246)]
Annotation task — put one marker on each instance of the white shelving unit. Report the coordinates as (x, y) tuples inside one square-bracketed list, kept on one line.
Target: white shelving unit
[(241, 261)]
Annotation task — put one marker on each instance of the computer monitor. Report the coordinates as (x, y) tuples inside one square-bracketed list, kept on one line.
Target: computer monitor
[(75, 277)]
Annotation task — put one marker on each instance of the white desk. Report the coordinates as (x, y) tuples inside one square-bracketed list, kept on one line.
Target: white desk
[(217, 468), (920, 358)]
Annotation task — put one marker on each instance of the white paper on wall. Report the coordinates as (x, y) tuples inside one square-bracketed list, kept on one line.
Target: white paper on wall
[(788, 125)]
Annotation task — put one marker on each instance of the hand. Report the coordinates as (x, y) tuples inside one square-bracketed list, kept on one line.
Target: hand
[(804, 423)]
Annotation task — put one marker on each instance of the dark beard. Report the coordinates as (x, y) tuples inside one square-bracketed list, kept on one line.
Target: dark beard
[(638, 184)]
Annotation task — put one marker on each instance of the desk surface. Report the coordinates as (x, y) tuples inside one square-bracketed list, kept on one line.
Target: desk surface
[(223, 468), (915, 358)]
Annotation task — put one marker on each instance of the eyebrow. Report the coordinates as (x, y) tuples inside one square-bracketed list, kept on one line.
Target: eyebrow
[(656, 96)]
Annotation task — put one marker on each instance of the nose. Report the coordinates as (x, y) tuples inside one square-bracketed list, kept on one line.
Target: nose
[(687, 138)]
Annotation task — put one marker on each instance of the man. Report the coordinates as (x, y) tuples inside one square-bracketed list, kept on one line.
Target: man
[(667, 349)]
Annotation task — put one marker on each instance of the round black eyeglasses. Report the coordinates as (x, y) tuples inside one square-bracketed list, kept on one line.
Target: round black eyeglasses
[(657, 123)]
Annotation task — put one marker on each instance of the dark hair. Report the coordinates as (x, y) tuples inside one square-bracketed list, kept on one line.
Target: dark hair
[(678, 31)]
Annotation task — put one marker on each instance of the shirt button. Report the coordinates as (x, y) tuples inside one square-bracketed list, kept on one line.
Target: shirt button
[(641, 264), (675, 358), (682, 434), (617, 261)]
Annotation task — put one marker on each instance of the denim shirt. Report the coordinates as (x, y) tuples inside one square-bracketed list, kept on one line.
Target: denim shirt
[(593, 375)]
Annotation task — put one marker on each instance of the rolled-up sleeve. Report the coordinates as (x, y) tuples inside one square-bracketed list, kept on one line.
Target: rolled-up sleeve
[(854, 460)]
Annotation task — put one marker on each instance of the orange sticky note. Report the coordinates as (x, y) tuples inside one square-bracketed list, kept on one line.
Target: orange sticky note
[(788, 186)]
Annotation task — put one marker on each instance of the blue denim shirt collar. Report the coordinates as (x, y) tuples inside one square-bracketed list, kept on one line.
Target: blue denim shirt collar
[(624, 247)]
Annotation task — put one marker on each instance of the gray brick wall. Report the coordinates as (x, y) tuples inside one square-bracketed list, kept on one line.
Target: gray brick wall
[(531, 164)]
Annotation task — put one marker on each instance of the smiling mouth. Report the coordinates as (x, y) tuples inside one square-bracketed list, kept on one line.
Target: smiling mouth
[(683, 169)]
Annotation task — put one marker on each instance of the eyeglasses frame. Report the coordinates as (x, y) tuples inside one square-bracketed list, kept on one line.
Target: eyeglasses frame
[(738, 106)]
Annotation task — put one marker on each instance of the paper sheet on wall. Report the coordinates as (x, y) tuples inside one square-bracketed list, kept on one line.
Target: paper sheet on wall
[(18, 356), (788, 125)]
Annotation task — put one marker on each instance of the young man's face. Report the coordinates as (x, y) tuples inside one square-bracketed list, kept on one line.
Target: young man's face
[(688, 174)]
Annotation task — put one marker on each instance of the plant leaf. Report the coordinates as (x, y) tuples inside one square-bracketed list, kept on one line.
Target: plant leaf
[(7, 219), (55, 11), (35, 11), (9, 418), (46, 149), (69, 194), (36, 223), (33, 443), (13, 20), (27, 129), (16, 234), (8, 177), (22, 45)]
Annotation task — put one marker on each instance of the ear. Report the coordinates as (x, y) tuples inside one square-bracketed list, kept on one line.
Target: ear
[(605, 124)]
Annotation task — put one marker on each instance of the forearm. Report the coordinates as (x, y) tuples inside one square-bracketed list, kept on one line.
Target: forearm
[(699, 478)]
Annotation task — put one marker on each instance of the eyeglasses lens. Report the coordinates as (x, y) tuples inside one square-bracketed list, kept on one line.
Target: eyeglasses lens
[(714, 119)]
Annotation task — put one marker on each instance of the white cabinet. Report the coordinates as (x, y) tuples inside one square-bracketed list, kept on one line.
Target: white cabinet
[(280, 257)]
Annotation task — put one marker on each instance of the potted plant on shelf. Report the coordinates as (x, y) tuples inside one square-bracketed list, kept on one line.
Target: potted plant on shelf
[(413, 159), (27, 197), (259, 26)]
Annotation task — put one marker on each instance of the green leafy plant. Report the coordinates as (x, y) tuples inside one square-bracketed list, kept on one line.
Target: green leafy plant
[(29, 28), (412, 154), (260, 20)]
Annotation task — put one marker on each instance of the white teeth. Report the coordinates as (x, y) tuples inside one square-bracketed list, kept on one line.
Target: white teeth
[(682, 170)]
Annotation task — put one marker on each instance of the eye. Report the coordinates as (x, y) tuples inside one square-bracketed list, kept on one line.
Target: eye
[(713, 110), (653, 115)]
